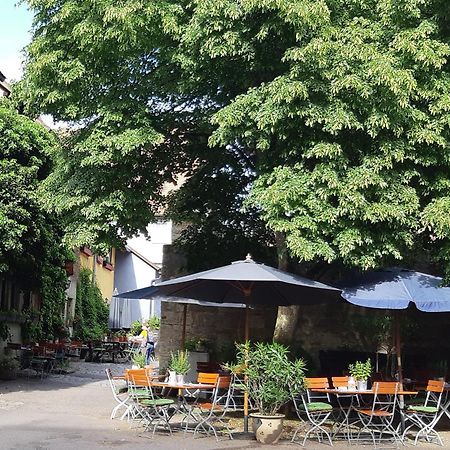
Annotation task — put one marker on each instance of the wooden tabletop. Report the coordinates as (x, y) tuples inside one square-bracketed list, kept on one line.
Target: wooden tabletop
[(355, 392), (182, 386)]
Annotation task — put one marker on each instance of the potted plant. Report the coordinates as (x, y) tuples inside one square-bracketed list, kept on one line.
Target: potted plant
[(8, 367), (197, 345), (361, 372), (138, 361), (179, 364), (122, 335), (271, 379)]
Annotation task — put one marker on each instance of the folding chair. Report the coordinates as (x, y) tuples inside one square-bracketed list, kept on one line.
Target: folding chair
[(425, 417), (152, 410), (316, 413), (377, 420), (203, 378), (345, 403), (237, 396), (120, 395), (213, 413)]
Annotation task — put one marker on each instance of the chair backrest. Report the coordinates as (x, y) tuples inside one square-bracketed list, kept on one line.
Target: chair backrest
[(317, 383), (339, 381), (223, 392), (435, 386), (111, 383), (207, 378), (136, 376), (435, 389), (385, 396), (385, 387), (138, 384)]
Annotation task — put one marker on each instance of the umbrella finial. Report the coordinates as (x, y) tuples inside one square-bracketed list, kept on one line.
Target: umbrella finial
[(248, 258)]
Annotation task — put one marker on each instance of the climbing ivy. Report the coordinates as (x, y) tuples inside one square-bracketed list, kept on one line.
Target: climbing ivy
[(91, 311)]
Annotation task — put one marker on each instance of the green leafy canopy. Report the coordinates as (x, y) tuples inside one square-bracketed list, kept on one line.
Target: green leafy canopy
[(338, 108)]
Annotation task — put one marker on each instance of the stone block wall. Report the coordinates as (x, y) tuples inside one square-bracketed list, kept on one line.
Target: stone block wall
[(218, 325)]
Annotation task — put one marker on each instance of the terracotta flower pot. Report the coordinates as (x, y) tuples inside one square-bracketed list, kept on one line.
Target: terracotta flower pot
[(267, 429)]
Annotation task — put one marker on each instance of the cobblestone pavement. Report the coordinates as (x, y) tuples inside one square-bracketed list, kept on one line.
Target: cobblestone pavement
[(72, 412)]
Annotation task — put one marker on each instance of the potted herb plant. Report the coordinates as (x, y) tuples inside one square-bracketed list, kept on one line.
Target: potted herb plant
[(138, 361), (361, 371), (8, 367), (271, 380), (179, 364)]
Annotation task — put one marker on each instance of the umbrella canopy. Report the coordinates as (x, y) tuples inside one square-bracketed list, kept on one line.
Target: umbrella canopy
[(152, 292), (249, 283), (397, 288), (146, 292)]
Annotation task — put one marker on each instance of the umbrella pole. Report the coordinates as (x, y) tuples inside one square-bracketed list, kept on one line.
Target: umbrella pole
[(398, 348), (398, 352), (247, 337), (183, 333)]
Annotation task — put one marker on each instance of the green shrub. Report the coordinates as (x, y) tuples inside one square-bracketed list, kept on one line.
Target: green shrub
[(272, 378)]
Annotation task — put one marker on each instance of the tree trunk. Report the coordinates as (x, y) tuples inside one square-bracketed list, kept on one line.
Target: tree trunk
[(287, 315)]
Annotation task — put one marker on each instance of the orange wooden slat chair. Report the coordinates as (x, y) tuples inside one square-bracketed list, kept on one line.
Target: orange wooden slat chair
[(207, 378), (314, 408), (213, 412), (339, 382), (425, 417), (146, 404), (317, 383), (377, 420)]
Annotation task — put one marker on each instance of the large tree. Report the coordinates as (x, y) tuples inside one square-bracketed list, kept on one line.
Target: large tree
[(338, 108)]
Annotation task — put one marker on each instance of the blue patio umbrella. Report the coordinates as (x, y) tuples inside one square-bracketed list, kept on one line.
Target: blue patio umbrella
[(395, 289)]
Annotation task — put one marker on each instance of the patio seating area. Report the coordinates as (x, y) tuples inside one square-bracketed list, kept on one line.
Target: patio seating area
[(329, 411)]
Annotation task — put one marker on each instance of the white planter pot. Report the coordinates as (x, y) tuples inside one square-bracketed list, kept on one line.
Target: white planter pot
[(362, 385), (134, 366), (172, 377), (267, 429), (180, 379)]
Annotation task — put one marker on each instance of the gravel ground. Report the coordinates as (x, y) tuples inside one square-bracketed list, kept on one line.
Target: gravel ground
[(72, 412)]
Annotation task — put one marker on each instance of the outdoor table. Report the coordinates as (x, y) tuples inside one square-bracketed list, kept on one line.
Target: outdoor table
[(352, 394), (183, 407), (113, 348)]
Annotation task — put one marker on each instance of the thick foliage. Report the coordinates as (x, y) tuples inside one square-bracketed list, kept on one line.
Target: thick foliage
[(91, 310), (31, 252), (339, 107), (24, 145), (354, 133)]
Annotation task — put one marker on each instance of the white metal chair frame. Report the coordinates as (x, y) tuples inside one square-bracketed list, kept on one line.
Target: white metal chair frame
[(424, 420), (215, 411), (152, 410), (378, 420), (343, 419), (237, 397), (121, 398), (315, 418)]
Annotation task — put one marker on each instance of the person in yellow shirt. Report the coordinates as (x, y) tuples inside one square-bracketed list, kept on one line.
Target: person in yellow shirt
[(147, 343)]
